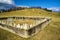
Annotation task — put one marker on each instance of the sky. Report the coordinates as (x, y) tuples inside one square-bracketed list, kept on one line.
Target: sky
[(7, 1), (50, 4), (42, 3)]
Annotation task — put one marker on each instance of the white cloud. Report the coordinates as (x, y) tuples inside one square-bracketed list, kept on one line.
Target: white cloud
[(7, 1), (22, 6), (54, 8)]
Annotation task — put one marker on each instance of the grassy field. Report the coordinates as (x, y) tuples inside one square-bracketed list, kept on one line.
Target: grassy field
[(50, 32)]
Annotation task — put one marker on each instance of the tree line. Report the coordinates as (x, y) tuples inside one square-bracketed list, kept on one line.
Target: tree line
[(11, 9), (21, 8), (47, 10)]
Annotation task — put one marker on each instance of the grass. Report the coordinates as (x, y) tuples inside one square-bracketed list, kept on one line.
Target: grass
[(26, 12), (50, 32), (24, 21)]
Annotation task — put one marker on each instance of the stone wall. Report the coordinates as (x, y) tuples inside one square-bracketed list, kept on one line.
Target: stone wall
[(25, 30)]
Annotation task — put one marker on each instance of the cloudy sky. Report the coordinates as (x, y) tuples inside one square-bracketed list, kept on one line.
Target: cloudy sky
[(50, 4), (7, 1)]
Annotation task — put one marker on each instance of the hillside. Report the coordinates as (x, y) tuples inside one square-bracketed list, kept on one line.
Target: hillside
[(27, 12), (50, 32)]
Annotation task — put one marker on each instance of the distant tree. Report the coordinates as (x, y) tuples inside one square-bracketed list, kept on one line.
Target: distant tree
[(47, 9), (2, 10)]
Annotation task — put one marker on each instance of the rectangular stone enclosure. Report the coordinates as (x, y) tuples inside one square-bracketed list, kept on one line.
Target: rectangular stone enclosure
[(24, 26)]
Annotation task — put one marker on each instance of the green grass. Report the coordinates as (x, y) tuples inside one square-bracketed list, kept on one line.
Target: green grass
[(50, 32)]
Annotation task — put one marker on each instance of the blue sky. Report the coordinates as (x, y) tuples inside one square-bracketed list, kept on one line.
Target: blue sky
[(42, 3), (50, 4)]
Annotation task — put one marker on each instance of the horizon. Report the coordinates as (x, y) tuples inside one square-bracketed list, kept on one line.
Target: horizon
[(49, 4)]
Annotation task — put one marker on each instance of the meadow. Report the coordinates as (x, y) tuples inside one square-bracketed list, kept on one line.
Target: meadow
[(50, 32)]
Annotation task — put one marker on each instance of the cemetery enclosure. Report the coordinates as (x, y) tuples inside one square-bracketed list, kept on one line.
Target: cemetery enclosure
[(24, 26)]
